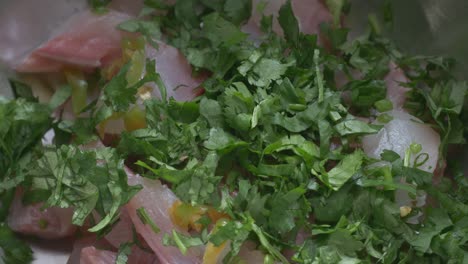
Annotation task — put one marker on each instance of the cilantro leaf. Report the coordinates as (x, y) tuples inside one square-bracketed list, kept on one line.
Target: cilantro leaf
[(350, 127), (288, 22), (365, 93), (181, 241), (262, 71), (13, 249), (285, 210), (211, 110), (21, 129), (342, 172), (201, 186), (125, 250), (221, 32), (438, 220), (149, 29), (117, 93), (84, 180), (336, 8), (238, 10), (22, 90), (221, 141), (120, 94), (233, 231)]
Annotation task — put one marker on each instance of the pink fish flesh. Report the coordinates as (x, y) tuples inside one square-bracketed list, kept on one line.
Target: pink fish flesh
[(50, 223), (157, 199), (87, 40), (91, 255)]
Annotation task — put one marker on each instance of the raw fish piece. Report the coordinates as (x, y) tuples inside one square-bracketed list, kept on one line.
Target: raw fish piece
[(87, 40), (157, 199), (176, 73), (399, 134), (250, 255), (91, 255), (50, 223), (396, 92), (138, 256), (122, 231), (89, 240)]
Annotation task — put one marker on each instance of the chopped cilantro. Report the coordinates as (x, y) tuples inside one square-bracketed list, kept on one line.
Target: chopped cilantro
[(125, 250), (99, 6), (22, 126), (86, 180), (146, 219), (13, 250), (288, 22), (181, 241)]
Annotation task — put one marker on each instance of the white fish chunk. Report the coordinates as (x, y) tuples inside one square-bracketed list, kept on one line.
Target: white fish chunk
[(398, 135)]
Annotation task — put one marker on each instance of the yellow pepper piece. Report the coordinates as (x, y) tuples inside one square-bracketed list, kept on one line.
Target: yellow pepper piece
[(215, 216), (134, 119), (137, 67), (214, 254), (79, 88), (186, 216)]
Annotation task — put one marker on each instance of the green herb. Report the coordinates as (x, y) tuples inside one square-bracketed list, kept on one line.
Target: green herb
[(125, 250), (22, 90), (13, 249), (181, 241), (342, 172), (60, 96), (99, 6), (21, 129), (119, 94), (289, 23), (149, 29), (146, 219), (274, 127), (221, 32), (82, 180), (383, 105)]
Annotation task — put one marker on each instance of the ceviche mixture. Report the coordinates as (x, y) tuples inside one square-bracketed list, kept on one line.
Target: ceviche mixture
[(232, 131)]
